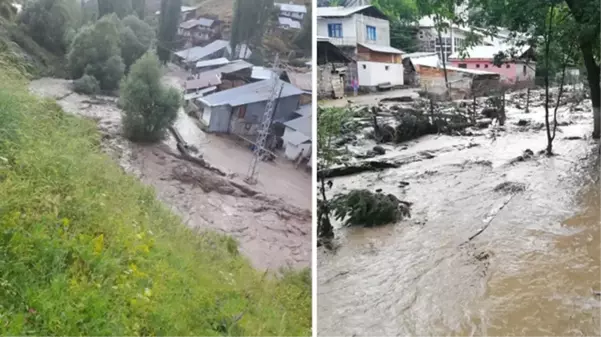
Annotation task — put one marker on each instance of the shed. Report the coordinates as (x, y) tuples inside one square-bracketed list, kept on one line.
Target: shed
[(463, 82), (411, 64), (297, 137), (332, 65), (215, 49), (240, 110)]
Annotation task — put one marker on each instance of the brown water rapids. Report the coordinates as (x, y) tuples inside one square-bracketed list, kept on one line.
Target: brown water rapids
[(534, 271)]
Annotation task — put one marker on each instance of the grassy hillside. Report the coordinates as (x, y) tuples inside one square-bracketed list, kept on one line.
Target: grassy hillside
[(87, 250)]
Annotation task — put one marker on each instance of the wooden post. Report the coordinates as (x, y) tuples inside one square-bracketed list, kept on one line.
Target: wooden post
[(474, 114), (528, 100)]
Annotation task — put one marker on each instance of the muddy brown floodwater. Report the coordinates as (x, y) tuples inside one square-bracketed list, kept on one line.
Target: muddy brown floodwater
[(272, 227), (534, 271)]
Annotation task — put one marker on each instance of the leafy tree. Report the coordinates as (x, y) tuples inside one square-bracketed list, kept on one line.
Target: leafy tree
[(96, 51), (49, 21), (120, 7), (168, 23), (149, 107), (403, 15), (87, 85), (366, 208), (136, 38), (303, 39), (7, 10), (249, 23)]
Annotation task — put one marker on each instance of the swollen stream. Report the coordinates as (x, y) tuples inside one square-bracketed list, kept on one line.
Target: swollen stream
[(532, 272)]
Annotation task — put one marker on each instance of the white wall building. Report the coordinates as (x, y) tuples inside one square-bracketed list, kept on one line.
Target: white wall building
[(297, 137), (372, 74), (347, 26), (292, 11)]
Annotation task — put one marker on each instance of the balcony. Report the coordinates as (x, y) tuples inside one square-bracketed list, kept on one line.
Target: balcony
[(343, 41)]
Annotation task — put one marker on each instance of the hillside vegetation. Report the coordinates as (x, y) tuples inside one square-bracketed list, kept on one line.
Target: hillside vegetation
[(87, 250)]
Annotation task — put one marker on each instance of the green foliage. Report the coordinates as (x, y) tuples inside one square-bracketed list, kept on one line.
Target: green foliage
[(96, 51), (365, 208), (304, 38), (330, 123), (87, 250), (122, 8), (139, 7), (49, 21), (250, 21), (7, 10), (149, 107), (168, 23), (87, 85)]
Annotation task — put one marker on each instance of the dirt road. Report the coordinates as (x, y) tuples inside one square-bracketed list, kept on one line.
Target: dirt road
[(272, 227)]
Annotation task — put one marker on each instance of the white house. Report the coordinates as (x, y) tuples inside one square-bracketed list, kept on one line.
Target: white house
[(292, 11), (297, 135), (347, 26)]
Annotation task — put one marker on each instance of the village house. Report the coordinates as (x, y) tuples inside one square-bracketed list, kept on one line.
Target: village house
[(187, 13), (520, 69), (211, 64), (296, 139), (188, 58), (332, 68), (288, 23), (363, 33), (200, 30), (411, 64), (292, 11), (233, 74), (240, 110)]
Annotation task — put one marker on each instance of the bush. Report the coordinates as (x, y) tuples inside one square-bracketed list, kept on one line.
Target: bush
[(49, 21), (149, 107), (87, 85), (88, 250), (365, 208)]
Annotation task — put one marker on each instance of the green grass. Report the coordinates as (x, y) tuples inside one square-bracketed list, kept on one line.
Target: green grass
[(88, 250)]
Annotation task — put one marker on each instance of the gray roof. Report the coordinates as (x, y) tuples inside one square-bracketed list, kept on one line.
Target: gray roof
[(284, 21), (381, 49), (301, 124), (297, 138), (291, 8), (196, 53), (231, 67), (249, 93), (339, 11), (213, 62), (189, 24), (304, 110), (205, 22)]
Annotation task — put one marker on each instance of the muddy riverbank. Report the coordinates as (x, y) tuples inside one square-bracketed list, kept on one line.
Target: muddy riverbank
[(533, 271), (273, 227)]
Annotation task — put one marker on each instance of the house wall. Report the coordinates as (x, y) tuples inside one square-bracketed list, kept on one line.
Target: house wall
[(371, 74), (329, 85), (427, 37), (349, 30), (250, 122), (293, 15), (382, 29), (292, 150), (219, 118), (370, 55), (432, 80), (510, 72)]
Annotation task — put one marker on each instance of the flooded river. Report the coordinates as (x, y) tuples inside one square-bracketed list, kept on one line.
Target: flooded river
[(532, 272)]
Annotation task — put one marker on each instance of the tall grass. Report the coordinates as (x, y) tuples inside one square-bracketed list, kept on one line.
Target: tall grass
[(88, 250)]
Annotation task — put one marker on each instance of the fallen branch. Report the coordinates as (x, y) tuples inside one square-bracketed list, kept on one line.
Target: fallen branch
[(358, 168), (492, 217)]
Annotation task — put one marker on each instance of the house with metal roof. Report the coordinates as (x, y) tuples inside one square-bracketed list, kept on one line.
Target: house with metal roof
[(240, 110), (288, 23), (296, 12), (297, 135), (216, 49)]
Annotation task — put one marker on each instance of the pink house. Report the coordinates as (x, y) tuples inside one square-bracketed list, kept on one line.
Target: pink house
[(481, 58)]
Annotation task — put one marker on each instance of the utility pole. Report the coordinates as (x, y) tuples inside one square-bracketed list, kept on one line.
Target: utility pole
[(276, 91)]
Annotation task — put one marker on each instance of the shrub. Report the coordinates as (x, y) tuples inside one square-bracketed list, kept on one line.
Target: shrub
[(87, 85), (149, 107), (365, 208)]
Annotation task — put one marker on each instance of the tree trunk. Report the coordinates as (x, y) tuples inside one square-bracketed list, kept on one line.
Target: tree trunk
[(592, 70), (442, 55), (546, 58), (324, 229), (528, 100)]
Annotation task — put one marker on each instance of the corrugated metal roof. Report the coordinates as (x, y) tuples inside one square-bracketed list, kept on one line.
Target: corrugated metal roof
[(430, 61), (199, 93), (244, 52), (205, 22), (292, 8), (381, 49), (196, 53), (304, 110), (297, 138), (301, 124), (203, 81), (213, 62), (418, 55), (284, 21), (184, 9), (300, 80), (261, 73), (189, 24), (464, 70), (231, 67), (249, 93), (339, 11)]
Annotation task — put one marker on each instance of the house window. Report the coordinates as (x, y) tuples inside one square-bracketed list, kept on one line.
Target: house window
[(524, 70), (507, 66), (386, 67), (486, 66), (335, 30), (463, 65), (241, 111), (364, 66), (477, 66), (371, 33)]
